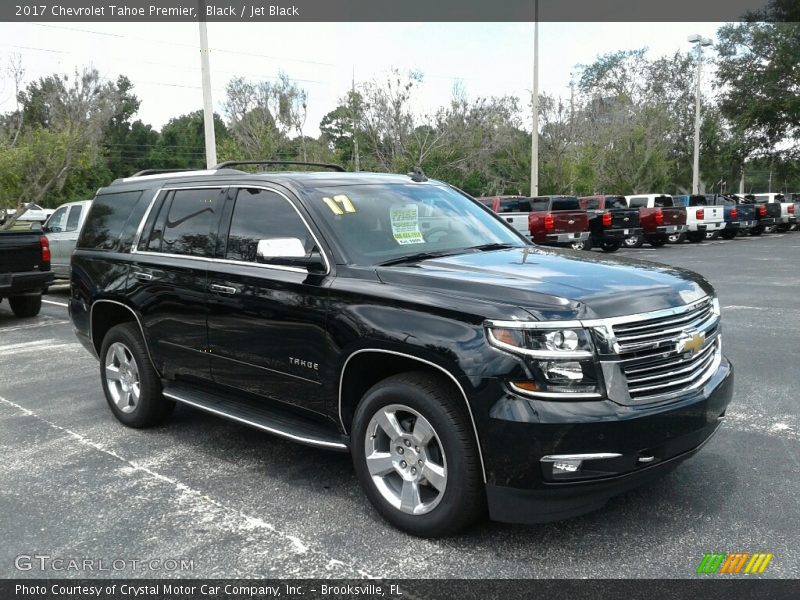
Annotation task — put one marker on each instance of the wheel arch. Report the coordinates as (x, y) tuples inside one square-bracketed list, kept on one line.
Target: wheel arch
[(105, 314), (352, 388)]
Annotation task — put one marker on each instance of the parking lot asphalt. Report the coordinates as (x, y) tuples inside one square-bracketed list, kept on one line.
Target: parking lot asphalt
[(75, 483)]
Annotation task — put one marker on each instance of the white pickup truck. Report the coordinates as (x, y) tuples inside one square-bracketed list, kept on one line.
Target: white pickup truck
[(512, 209), (788, 218), (703, 219)]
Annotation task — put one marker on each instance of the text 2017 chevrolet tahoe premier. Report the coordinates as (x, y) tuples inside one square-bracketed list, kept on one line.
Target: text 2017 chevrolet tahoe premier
[(464, 368)]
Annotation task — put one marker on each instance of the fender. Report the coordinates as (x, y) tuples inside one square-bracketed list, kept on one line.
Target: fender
[(138, 322), (430, 364)]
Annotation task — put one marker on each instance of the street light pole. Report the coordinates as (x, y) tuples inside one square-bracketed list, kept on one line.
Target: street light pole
[(535, 132), (699, 42), (208, 107)]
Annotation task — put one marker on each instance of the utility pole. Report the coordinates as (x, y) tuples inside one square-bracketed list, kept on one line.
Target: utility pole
[(769, 189), (535, 132), (208, 106), (699, 42), (356, 166)]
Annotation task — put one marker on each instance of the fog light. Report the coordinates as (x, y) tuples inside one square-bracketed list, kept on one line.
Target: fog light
[(563, 466)]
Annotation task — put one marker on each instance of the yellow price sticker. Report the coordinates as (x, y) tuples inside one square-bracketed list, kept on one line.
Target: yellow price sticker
[(340, 204)]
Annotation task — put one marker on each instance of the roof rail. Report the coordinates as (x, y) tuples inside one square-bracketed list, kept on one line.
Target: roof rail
[(158, 172), (231, 163)]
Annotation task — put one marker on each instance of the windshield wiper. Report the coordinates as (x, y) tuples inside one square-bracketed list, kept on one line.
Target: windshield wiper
[(419, 256), (495, 246)]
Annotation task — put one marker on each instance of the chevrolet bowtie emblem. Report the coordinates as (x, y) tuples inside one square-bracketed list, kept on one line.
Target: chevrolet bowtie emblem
[(572, 221), (691, 342)]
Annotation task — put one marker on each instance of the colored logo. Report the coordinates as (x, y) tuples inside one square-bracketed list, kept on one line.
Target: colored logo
[(691, 342), (735, 563)]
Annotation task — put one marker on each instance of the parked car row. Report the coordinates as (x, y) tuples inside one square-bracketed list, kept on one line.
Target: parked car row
[(611, 222)]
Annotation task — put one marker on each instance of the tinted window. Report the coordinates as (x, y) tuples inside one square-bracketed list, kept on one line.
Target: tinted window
[(106, 219), (74, 217), (592, 203), (761, 198), (263, 215), (566, 204), (487, 202), (190, 216), (616, 202), (515, 205), (57, 220), (540, 204), (663, 201), (638, 202), (700, 201)]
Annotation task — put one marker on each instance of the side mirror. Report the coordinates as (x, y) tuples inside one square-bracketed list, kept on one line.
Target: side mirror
[(288, 252)]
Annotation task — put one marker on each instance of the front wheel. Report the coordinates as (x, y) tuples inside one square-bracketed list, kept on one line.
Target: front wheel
[(416, 457), (131, 384), (635, 241), (26, 306), (610, 246)]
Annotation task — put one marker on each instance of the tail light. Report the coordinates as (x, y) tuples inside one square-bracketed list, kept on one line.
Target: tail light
[(762, 210), (549, 223), (606, 219), (734, 213), (45, 244), (701, 214), (791, 209), (659, 217)]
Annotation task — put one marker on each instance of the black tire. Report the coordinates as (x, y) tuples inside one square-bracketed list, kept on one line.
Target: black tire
[(26, 306), (584, 245), (635, 241), (758, 230), (696, 236), (151, 407), (463, 500), (610, 246), (782, 228), (657, 242), (728, 234), (676, 238)]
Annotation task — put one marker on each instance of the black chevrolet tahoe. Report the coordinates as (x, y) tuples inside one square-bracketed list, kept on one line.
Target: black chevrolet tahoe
[(393, 317)]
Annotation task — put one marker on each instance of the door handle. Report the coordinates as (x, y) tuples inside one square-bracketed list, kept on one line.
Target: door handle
[(143, 276), (222, 289)]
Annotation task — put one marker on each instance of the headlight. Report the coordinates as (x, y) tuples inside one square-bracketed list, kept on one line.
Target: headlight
[(561, 359)]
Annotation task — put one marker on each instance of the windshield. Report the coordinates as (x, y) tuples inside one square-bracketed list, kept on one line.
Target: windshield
[(379, 223)]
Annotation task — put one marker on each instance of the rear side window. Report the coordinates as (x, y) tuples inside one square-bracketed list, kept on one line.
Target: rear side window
[(616, 202), (185, 223), (515, 205), (74, 217), (663, 201), (566, 204), (263, 215), (592, 203), (106, 220)]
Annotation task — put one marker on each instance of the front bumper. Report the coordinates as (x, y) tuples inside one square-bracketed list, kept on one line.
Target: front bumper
[(648, 441), (14, 284), (566, 238)]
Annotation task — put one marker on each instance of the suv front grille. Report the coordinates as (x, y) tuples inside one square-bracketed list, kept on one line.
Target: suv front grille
[(663, 356)]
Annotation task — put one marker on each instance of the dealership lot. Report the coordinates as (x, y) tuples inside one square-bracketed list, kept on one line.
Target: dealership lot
[(239, 503)]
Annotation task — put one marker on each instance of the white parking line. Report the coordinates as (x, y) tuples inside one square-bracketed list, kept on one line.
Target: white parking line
[(40, 323), (34, 346), (56, 303), (207, 506)]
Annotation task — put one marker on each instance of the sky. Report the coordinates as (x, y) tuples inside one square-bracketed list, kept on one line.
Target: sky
[(487, 59)]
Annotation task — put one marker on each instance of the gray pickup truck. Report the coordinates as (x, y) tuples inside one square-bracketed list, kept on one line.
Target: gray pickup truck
[(24, 268)]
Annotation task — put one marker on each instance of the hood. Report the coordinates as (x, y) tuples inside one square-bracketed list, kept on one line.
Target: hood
[(554, 284)]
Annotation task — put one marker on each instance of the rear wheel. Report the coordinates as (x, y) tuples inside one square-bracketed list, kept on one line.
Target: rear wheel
[(582, 245), (635, 241), (26, 306), (712, 235), (610, 246), (696, 236), (416, 457), (131, 385)]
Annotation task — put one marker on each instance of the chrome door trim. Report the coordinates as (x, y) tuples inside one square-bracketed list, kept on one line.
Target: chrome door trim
[(429, 363)]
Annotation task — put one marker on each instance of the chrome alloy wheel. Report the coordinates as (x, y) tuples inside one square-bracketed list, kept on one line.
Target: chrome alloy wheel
[(122, 377), (405, 459)]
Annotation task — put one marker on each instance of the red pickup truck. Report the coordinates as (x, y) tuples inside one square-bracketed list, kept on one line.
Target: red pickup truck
[(660, 218), (559, 221)]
